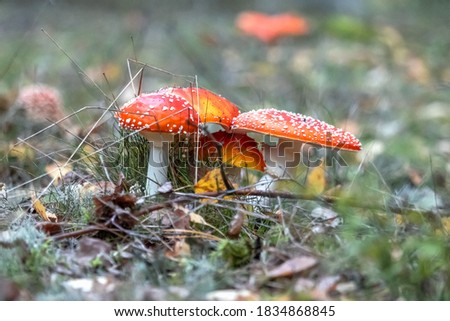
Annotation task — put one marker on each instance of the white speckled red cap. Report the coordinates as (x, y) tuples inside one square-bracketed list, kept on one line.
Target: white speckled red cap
[(284, 124), (158, 112), (211, 107)]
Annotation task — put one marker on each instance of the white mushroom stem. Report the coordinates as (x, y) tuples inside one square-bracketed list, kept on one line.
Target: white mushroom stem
[(158, 160), (283, 161)]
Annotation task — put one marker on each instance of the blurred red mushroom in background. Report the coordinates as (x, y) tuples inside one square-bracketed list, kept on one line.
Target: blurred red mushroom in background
[(41, 103), (269, 28), (42, 107)]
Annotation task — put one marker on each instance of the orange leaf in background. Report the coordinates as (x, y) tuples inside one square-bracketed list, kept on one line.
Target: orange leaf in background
[(211, 108), (269, 28), (238, 150)]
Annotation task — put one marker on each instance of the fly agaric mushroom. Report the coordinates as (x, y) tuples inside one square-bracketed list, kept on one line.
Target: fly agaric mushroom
[(291, 127), (210, 107), (269, 28), (160, 115), (157, 117)]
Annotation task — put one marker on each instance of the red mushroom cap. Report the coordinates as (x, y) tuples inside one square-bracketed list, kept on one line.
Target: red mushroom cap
[(158, 112), (284, 124), (211, 108)]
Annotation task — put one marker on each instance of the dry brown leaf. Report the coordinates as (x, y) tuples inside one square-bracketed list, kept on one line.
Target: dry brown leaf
[(9, 290), (180, 219), (324, 286), (49, 228), (191, 217), (293, 266), (179, 249), (117, 205), (43, 213), (198, 219), (279, 215), (90, 249), (236, 224)]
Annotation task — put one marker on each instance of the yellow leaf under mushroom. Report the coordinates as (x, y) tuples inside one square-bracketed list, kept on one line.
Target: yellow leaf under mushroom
[(316, 180), (211, 182)]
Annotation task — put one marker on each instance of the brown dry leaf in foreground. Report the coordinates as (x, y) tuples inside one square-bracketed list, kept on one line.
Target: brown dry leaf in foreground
[(116, 206), (293, 266), (236, 224), (324, 286), (43, 213), (49, 228), (9, 290), (91, 249), (179, 249)]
